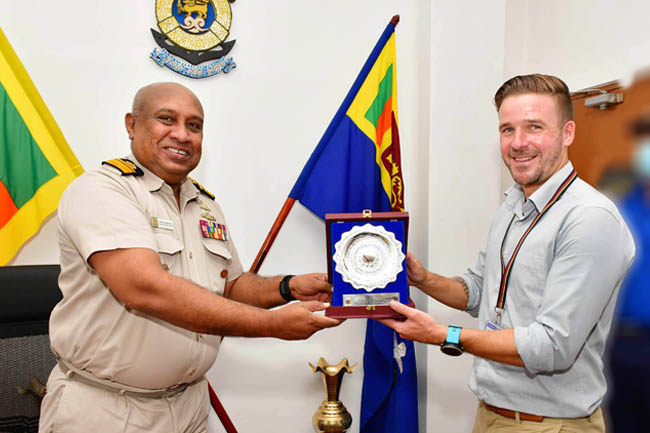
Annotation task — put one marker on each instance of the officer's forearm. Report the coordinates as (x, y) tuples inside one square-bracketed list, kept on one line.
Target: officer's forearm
[(136, 279), (253, 289)]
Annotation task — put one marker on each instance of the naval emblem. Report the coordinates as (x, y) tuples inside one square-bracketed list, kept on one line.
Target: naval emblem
[(192, 37)]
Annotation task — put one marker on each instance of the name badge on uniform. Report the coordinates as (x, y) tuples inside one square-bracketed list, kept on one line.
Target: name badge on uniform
[(491, 326), (213, 230), (161, 223)]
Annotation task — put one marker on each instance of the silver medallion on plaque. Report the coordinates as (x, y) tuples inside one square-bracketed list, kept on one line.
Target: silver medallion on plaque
[(368, 257)]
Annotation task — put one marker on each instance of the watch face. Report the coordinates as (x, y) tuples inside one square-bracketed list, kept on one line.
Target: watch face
[(368, 257), (451, 349)]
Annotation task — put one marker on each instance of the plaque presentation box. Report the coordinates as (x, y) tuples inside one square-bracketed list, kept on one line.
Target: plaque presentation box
[(366, 263)]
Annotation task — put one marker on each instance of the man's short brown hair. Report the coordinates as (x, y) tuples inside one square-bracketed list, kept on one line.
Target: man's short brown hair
[(540, 84)]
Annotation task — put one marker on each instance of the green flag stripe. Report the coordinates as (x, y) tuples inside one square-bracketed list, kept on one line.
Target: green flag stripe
[(23, 167), (385, 91)]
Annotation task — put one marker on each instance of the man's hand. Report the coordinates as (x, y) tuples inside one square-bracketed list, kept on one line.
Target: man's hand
[(297, 321), (311, 287), (450, 291), (418, 326), (416, 273)]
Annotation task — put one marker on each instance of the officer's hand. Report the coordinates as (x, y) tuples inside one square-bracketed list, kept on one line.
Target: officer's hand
[(297, 321), (311, 287), (418, 326), (415, 272)]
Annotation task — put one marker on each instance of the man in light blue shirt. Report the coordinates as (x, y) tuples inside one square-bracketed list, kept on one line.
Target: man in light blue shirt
[(544, 286)]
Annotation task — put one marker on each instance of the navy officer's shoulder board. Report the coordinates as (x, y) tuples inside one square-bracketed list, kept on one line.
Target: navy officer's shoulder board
[(200, 188), (125, 166)]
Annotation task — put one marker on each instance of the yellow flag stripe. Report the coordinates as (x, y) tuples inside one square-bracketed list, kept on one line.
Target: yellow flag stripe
[(34, 112), (27, 221), (364, 99), (368, 91), (43, 128)]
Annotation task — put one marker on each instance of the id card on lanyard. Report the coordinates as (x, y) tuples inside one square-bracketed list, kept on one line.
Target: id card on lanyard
[(507, 268)]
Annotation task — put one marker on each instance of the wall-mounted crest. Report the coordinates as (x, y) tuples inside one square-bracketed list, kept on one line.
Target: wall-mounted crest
[(195, 31)]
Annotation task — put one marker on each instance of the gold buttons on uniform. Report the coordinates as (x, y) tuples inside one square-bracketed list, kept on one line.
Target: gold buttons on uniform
[(191, 254), (164, 266), (224, 273)]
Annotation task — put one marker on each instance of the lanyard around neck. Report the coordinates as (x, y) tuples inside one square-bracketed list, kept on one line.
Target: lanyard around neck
[(506, 268)]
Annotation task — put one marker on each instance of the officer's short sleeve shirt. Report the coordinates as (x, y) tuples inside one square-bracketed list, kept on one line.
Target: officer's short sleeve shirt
[(90, 329)]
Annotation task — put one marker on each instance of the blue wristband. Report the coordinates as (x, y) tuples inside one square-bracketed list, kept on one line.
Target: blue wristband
[(452, 345), (453, 335)]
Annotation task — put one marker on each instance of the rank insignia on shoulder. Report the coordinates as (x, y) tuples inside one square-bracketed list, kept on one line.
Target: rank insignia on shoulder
[(212, 230), (200, 188), (125, 166)]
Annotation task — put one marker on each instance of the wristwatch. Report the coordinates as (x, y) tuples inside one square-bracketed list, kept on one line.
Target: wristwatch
[(452, 346), (285, 292)]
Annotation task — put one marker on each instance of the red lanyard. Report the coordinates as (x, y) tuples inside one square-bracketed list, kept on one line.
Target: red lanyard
[(505, 269)]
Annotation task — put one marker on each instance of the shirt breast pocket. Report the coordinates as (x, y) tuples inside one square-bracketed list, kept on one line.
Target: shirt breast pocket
[(528, 275), (218, 257), (169, 250)]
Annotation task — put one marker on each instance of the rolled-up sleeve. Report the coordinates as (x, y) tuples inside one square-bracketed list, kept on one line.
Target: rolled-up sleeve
[(593, 250)]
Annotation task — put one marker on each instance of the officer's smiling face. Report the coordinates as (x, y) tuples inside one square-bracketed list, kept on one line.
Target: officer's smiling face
[(166, 130)]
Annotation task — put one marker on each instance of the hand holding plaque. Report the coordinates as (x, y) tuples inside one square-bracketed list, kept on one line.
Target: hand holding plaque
[(366, 263)]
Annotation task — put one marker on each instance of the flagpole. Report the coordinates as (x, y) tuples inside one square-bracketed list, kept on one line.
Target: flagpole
[(255, 267), (221, 411), (270, 238)]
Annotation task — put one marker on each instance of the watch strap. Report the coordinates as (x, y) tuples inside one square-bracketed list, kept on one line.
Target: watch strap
[(285, 291), (452, 345), (453, 334)]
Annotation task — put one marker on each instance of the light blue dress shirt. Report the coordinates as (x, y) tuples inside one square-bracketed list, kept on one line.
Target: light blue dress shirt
[(560, 299)]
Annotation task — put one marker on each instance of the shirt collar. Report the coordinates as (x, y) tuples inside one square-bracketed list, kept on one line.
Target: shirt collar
[(151, 181), (155, 183), (545, 192), (538, 199)]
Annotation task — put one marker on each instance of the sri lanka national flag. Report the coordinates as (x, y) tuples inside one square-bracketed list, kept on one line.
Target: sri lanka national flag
[(36, 163), (356, 166)]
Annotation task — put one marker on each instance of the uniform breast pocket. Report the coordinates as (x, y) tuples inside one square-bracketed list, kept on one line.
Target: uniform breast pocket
[(169, 250), (218, 257)]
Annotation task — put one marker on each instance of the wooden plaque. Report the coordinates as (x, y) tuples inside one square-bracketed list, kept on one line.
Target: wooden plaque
[(366, 263)]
